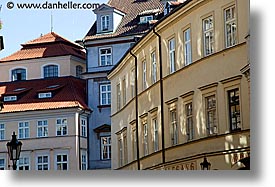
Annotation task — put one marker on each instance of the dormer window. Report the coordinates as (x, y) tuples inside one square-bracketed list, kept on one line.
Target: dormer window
[(105, 22), (45, 95), (146, 19), (10, 98), (18, 74)]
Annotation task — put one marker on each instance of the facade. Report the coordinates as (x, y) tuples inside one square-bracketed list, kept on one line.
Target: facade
[(118, 25), (47, 56), (49, 116), (181, 93)]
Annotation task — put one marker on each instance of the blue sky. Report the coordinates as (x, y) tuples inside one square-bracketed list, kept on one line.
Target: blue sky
[(20, 26)]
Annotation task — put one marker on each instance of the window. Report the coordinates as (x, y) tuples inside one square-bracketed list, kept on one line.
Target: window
[(172, 55), (105, 22), (105, 57), (211, 115), (105, 94), (24, 163), (118, 96), (187, 47), (155, 135), (43, 162), (189, 121), (23, 130), (2, 164), (10, 98), (120, 152), (134, 138), (145, 19), (145, 139), (18, 74), (83, 160), (174, 127), (83, 127), (154, 67), (124, 91), (234, 109), (61, 127), (230, 26), (50, 71), (208, 35), (42, 128), (2, 131), (106, 148), (144, 75), (45, 95), (78, 70), (133, 91), (62, 162), (125, 150)]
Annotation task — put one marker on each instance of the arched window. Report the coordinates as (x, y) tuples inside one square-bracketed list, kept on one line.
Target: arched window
[(79, 70), (50, 71), (18, 74)]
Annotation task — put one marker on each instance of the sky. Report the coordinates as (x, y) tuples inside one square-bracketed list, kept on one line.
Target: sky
[(22, 25)]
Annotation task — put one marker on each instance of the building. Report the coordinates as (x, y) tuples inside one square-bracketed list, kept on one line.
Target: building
[(49, 116), (50, 55), (119, 24), (181, 93)]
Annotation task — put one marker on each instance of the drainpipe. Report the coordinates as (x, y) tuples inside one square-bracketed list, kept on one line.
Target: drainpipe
[(136, 100), (161, 97)]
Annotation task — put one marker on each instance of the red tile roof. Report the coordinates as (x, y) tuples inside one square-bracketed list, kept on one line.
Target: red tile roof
[(130, 22), (68, 92), (49, 45)]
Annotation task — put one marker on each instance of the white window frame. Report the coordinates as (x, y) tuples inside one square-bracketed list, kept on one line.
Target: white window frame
[(174, 127), (187, 46), (144, 75), (118, 96), (2, 131), (62, 161), (208, 35), (23, 130), (134, 139), (145, 138), (60, 126), (133, 78), (155, 134), (211, 124), (124, 91), (10, 98), (83, 122), (13, 78), (231, 23), (42, 164), (24, 161), (45, 95), (43, 126), (145, 19), (172, 54), (50, 64), (107, 56), (106, 93), (84, 163), (154, 67), (105, 147), (189, 121), (105, 22)]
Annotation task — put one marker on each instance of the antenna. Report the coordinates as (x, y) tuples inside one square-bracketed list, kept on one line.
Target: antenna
[(51, 21)]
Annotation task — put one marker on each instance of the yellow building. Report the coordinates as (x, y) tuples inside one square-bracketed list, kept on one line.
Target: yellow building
[(191, 76)]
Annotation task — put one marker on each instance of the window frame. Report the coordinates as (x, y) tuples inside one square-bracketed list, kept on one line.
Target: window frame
[(155, 134), (61, 125), (106, 92), (145, 137), (208, 33), (84, 163), (14, 74), (45, 128), (25, 130), (52, 72), (83, 126), (173, 127), (62, 162), (144, 75), (43, 163), (118, 90), (213, 110), (3, 167), (230, 22), (154, 67), (2, 131), (189, 121), (24, 164), (105, 22), (238, 127), (106, 56), (187, 42), (108, 146), (172, 55)]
